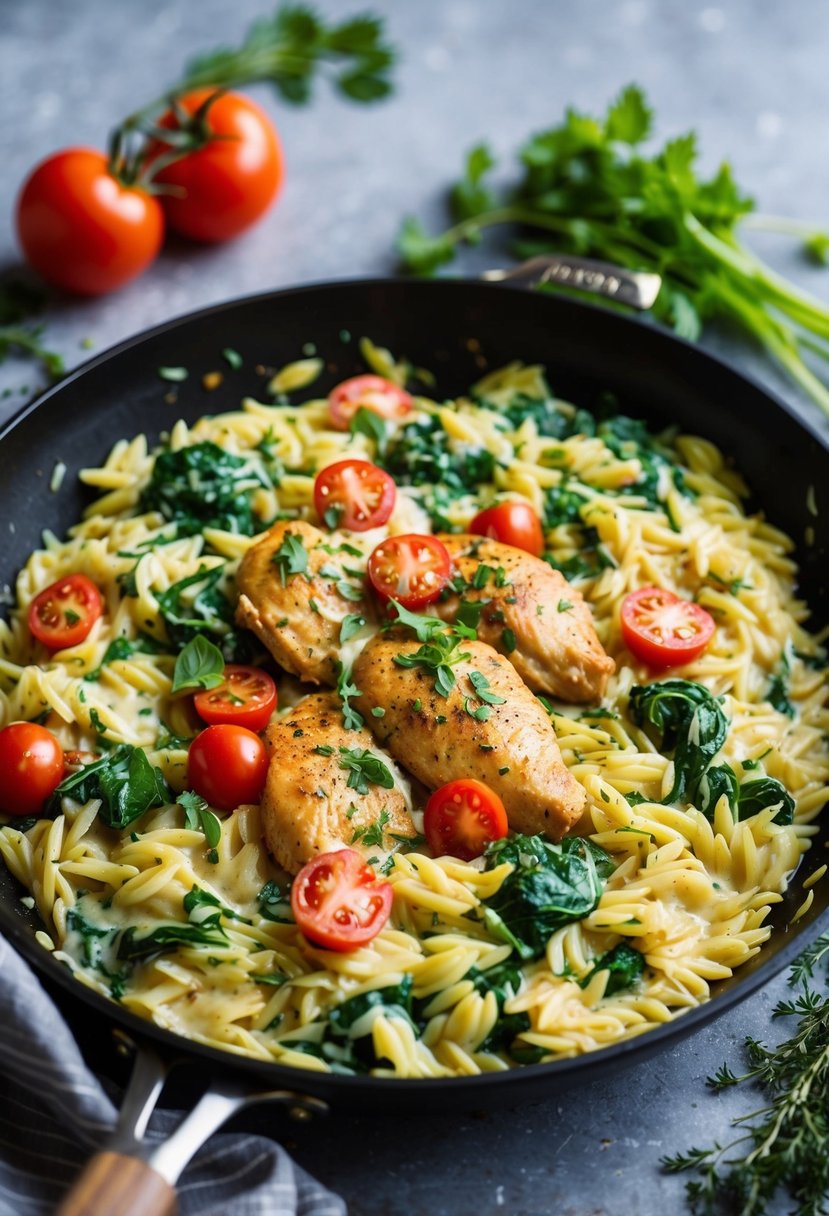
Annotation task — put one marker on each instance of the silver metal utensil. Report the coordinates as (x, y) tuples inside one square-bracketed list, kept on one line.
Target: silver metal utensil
[(636, 288), (132, 1176)]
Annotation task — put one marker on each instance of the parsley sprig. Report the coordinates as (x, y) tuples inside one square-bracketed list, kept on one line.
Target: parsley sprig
[(364, 768), (442, 647), (588, 188), (483, 692), (291, 557), (346, 689), (783, 1146)]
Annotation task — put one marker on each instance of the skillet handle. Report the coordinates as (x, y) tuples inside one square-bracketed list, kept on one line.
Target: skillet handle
[(636, 288), (114, 1184)]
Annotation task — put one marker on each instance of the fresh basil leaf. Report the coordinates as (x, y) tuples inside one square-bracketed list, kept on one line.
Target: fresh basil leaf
[(199, 665)]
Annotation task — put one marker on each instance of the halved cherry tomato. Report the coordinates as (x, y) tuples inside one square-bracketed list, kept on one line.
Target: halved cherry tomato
[(663, 630), (247, 697), (227, 765), (462, 818), (31, 764), (512, 523), (357, 494), (83, 229), (412, 569), (338, 901), (220, 189), (63, 613), (372, 393)]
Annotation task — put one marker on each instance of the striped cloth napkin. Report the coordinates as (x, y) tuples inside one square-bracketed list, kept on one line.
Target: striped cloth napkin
[(54, 1114)]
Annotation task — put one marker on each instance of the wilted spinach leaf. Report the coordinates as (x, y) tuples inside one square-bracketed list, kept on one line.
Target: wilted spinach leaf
[(346, 1042), (763, 792), (624, 964), (207, 612), (203, 486), (137, 944), (551, 885), (124, 780), (686, 718)]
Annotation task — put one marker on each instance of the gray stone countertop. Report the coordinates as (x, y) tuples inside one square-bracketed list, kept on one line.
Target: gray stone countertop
[(751, 78)]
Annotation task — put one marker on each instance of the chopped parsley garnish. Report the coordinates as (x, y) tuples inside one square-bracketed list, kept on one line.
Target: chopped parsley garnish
[(291, 557), (352, 718), (484, 694), (365, 768), (197, 817), (351, 624), (441, 649), (372, 836)]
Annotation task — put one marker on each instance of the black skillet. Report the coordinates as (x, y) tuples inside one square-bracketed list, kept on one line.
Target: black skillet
[(457, 329)]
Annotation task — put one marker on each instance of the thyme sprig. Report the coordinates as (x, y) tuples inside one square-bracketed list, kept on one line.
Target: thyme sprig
[(784, 1146), (20, 335)]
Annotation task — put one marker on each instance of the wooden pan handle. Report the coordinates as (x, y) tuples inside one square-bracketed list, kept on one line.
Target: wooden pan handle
[(113, 1184)]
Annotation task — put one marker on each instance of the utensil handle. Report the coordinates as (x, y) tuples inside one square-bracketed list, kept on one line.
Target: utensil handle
[(114, 1184), (636, 288)]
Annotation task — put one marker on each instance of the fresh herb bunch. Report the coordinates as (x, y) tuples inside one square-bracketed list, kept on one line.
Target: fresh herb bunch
[(287, 51), (783, 1146), (289, 47), (588, 188)]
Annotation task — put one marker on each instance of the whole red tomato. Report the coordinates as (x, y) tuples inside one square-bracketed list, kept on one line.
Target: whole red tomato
[(227, 765), (84, 230), (219, 190), (31, 761)]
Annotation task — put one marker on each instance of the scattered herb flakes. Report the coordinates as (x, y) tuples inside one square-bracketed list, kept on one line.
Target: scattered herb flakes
[(232, 358), (173, 374)]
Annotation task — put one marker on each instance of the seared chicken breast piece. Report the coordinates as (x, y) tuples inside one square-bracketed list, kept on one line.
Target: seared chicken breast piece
[(294, 593), (489, 726), (321, 791), (531, 614)]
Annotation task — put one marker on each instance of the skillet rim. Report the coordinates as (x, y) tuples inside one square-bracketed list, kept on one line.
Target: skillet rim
[(465, 1088)]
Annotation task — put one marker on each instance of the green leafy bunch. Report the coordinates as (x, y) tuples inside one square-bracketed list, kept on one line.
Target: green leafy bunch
[(589, 187), (287, 49)]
